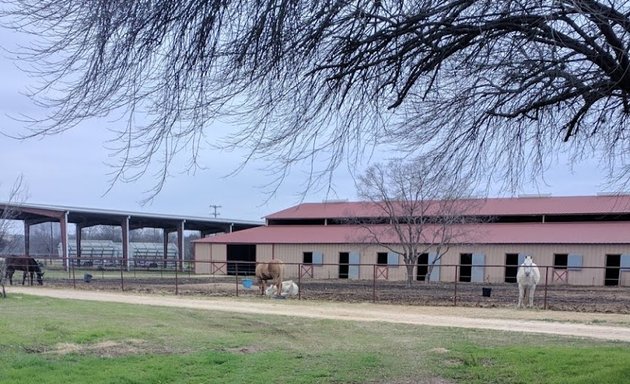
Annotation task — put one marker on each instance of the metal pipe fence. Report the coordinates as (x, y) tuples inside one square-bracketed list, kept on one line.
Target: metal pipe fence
[(456, 285)]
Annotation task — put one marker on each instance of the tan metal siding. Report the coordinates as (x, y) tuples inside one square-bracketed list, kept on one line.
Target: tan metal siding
[(202, 257), (494, 272)]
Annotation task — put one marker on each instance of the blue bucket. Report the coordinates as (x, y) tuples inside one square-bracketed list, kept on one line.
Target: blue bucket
[(247, 283)]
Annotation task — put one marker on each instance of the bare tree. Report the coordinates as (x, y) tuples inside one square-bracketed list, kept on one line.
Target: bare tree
[(102, 232), (16, 196), (417, 209), (499, 87), (44, 239)]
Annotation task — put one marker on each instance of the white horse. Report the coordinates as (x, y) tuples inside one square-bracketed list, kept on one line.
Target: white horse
[(289, 288), (527, 277)]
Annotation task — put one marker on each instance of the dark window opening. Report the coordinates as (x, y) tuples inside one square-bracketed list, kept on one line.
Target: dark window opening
[(465, 267), (511, 267), (307, 258), (344, 259), (381, 258), (423, 267), (560, 260), (611, 277), (241, 259)]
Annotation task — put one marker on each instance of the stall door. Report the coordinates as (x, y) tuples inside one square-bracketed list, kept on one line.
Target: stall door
[(344, 258), (478, 268), (354, 263)]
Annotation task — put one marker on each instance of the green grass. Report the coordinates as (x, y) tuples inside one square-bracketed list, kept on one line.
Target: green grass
[(45, 340)]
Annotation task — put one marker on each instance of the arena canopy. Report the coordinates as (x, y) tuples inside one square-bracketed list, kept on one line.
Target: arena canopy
[(32, 214)]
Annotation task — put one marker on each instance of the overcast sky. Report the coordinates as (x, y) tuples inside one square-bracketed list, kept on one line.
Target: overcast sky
[(71, 169)]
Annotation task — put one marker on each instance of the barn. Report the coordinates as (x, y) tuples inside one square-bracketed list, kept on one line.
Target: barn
[(576, 240)]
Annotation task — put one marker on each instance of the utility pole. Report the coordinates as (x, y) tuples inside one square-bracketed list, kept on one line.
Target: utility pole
[(214, 207)]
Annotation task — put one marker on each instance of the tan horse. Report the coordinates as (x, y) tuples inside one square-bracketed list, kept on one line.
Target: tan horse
[(273, 270)]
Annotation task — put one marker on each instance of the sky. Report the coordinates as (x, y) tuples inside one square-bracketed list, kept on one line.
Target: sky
[(71, 169)]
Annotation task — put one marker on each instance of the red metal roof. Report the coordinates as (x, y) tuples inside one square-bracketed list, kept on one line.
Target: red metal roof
[(491, 233), (564, 205)]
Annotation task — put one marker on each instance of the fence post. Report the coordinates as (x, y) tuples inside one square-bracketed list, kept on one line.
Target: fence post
[(455, 290), (374, 283), (122, 278), (546, 282), (236, 274), (176, 280), (300, 281), (74, 281)]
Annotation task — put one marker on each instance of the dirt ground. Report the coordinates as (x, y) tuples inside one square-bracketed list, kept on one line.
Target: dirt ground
[(554, 297), (596, 325)]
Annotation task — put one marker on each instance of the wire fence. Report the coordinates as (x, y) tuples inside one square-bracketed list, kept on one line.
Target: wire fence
[(590, 289)]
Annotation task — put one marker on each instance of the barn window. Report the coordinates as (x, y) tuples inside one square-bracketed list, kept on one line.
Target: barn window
[(307, 258), (560, 260), (465, 268), (381, 258), (423, 267)]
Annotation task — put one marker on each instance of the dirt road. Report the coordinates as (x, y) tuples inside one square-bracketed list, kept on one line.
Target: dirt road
[(586, 325)]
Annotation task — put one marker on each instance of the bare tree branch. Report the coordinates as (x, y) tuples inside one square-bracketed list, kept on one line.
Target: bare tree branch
[(419, 209), (483, 86)]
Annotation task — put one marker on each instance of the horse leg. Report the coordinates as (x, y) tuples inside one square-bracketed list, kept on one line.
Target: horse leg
[(23, 277), (521, 293), (278, 285), (532, 289)]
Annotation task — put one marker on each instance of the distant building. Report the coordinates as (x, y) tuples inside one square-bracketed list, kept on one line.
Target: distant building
[(584, 240)]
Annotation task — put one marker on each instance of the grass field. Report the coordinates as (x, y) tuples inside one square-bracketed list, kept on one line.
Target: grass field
[(45, 340)]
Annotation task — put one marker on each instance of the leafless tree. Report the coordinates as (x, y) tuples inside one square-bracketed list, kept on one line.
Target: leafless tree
[(17, 195), (44, 239), (484, 86), (418, 209)]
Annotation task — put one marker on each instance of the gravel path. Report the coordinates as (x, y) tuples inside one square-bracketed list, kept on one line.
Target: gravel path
[(585, 325)]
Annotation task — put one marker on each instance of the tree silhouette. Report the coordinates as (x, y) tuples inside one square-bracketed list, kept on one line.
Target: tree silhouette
[(483, 86), (417, 209)]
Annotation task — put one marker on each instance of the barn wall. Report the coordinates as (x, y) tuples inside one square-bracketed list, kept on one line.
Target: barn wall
[(202, 256), (493, 272), (264, 252), (206, 253), (543, 254)]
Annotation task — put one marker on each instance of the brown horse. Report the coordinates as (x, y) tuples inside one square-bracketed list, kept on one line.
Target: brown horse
[(273, 270), (26, 264)]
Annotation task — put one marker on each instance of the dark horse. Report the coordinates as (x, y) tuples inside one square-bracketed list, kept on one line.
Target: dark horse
[(26, 264)]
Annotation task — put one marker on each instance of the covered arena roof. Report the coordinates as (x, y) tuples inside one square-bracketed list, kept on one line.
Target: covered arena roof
[(86, 217)]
